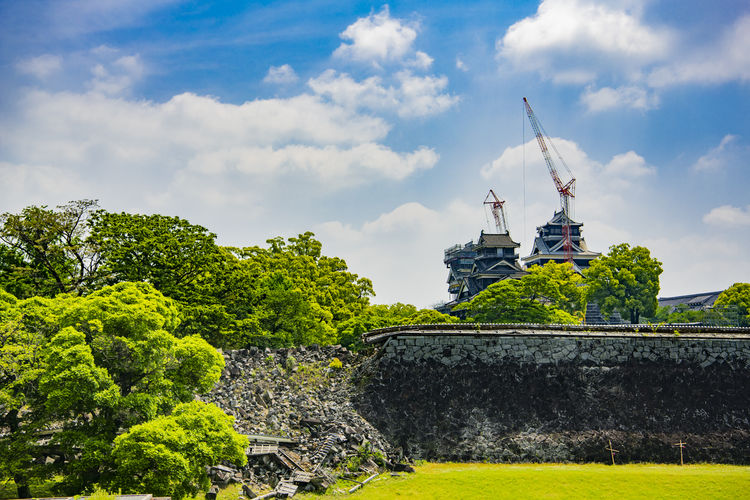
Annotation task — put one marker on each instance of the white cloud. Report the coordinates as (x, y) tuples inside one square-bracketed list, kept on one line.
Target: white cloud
[(25, 184), (717, 158), (423, 96), (574, 40), (608, 98), (460, 64), (628, 165), (386, 248), (377, 38), (414, 96), (606, 193), (421, 60), (335, 166), (41, 66), (686, 268), (117, 77), (728, 216), (196, 151), (727, 59), (281, 74)]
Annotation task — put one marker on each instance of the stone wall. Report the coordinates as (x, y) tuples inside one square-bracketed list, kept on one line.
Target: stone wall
[(535, 396), (452, 350)]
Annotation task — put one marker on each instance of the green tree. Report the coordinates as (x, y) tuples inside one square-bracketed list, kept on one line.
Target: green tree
[(350, 331), (555, 284), (510, 301), (625, 280), (93, 365), (46, 252), (552, 293), (736, 296), (168, 456), (168, 252)]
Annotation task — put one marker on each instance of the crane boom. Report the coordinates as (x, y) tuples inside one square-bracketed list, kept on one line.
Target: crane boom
[(567, 190), (496, 206)]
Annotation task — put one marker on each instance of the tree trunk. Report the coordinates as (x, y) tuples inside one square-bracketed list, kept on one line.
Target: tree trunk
[(22, 485)]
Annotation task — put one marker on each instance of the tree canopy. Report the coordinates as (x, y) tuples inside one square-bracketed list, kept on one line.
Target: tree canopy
[(625, 280), (89, 367), (736, 296), (46, 252), (548, 294)]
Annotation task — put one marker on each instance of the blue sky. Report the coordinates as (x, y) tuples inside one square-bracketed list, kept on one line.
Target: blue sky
[(381, 127)]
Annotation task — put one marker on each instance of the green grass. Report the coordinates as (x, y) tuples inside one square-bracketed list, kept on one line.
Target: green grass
[(538, 481), (559, 481)]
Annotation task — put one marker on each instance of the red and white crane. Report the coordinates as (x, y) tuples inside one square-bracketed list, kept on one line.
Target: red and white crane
[(567, 190), (496, 207)]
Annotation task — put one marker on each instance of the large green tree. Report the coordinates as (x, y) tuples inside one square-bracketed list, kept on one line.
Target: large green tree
[(168, 456), (625, 280), (168, 252), (46, 252), (552, 293), (90, 367)]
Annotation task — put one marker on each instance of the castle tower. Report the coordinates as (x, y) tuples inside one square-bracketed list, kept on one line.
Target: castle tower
[(549, 245)]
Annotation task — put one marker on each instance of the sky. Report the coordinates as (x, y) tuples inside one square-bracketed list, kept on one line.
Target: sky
[(381, 127)]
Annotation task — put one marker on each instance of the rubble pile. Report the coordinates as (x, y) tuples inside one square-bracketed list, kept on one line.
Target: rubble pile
[(296, 407)]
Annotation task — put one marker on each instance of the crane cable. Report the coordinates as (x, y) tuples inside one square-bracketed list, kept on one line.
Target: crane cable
[(523, 148)]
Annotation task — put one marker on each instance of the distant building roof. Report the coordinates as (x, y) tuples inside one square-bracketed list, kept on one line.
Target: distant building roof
[(693, 300), (502, 240)]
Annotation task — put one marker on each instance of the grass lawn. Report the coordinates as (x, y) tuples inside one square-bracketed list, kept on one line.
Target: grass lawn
[(557, 481), (532, 481)]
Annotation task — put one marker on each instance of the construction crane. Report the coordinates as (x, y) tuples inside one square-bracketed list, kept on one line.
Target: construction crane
[(496, 207), (566, 190)]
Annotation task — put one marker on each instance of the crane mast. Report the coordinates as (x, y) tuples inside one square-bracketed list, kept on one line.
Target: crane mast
[(496, 206), (566, 190)]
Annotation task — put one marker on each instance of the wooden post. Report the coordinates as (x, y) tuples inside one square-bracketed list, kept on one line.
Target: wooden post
[(612, 451), (681, 445)]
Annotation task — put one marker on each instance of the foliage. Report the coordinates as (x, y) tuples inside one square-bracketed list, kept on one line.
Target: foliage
[(336, 364), (284, 295), (556, 284), (625, 280), (168, 252), (737, 296), (364, 454), (169, 455), (552, 293), (46, 252), (680, 314), (91, 365), (380, 316)]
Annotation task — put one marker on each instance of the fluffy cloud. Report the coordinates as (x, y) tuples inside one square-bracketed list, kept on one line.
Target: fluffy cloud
[(197, 145), (727, 59), (281, 74), (717, 158), (335, 166), (573, 40), (41, 66), (117, 77), (608, 98), (377, 38), (728, 216), (386, 248), (606, 193), (421, 60), (38, 184), (414, 96)]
